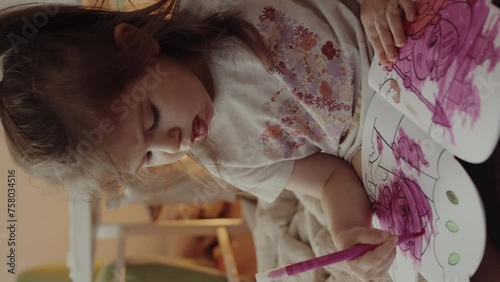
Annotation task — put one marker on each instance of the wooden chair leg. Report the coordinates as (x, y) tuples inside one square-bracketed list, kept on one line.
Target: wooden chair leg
[(227, 255)]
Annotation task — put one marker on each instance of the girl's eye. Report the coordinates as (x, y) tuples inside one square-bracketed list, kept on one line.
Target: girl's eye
[(156, 123), (156, 117), (149, 157)]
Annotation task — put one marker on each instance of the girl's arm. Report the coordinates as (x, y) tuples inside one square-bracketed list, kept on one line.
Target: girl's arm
[(344, 201)]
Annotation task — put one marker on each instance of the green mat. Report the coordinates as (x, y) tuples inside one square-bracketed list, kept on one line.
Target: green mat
[(158, 272), (57, 272)]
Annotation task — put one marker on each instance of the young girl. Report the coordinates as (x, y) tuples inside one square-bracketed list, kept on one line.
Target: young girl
[(273, 98)]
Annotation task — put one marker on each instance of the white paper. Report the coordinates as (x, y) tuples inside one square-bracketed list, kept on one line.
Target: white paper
[(415, 184), (447, 78)]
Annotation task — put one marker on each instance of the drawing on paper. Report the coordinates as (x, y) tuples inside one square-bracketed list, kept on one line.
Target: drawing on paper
[(432, 106), (398, 201), (392, 89), (447, 42), (414, 184)]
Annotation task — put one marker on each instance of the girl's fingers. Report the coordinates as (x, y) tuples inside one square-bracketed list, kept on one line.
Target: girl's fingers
[(395, 23), (409, 8), (382, 269), (379, 254), (373, 263), (386, 38), (384, 27), (372, 236), (373, 36)]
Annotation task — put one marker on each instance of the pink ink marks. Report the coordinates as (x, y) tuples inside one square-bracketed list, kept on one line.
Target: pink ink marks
[(397, 91), (409, 150), (380, 145), (392, 90), (447, 42), (402, 208)]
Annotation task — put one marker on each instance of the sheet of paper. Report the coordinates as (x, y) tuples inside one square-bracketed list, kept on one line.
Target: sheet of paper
[(447, 78), (414, 184)]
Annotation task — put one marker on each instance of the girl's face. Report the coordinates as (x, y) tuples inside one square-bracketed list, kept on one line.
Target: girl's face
[(159, 115), (426, 51)]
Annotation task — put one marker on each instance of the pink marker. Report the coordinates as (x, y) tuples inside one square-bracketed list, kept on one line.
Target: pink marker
[(310, 264)]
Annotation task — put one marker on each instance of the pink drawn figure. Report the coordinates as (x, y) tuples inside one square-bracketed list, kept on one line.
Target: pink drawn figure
[(397, 91), (446, 43), (401, 208), (408, 150), (380, 145)]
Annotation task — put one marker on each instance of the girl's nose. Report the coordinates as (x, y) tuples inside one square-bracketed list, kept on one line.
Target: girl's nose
[(169, 143)]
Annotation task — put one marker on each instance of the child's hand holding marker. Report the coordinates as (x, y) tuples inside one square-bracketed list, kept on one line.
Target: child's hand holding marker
[(361, 257), (375, 263)]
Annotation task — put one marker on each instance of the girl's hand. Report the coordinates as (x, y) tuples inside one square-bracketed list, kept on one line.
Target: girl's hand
[(384, 26), (373, 264)]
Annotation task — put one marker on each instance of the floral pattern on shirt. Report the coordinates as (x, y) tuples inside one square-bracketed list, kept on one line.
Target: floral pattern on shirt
[(320, 78)]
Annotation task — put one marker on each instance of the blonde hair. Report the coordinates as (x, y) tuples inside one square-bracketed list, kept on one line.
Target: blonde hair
[(62, 70)]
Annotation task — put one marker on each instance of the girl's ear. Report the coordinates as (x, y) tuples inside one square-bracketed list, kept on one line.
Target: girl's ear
[(127, 36)]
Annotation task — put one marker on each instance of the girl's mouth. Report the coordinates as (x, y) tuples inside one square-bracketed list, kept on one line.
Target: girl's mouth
[(200, 129)]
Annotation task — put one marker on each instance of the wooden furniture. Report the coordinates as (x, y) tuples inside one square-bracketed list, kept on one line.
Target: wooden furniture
[(86, 228)]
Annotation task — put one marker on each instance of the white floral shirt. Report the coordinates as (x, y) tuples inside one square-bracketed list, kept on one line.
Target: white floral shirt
[(314, 101)]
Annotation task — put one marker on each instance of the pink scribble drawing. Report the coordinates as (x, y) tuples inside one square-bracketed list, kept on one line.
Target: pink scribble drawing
[(396, 197), (409, 150), (449, 40), (402, 208), (380, 146)]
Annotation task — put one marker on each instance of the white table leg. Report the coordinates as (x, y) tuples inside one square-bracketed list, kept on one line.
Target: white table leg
[(119, 273), (80, 255)]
